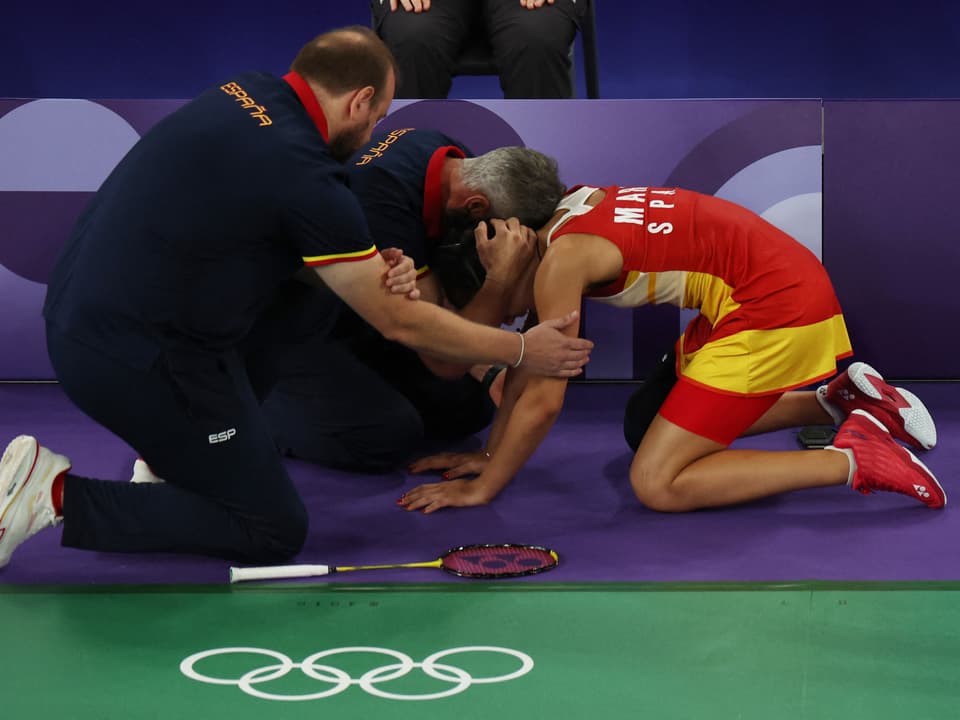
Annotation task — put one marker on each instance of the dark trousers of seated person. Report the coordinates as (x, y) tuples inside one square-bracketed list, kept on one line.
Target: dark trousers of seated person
[(646, 402), (531, 47), (194, 417), (369, 406)]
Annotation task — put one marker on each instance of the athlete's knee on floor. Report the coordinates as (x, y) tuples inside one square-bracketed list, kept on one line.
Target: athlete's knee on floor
[(653, 487)]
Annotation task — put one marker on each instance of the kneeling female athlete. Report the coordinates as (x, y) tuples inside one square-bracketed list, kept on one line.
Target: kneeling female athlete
[(769, 323)]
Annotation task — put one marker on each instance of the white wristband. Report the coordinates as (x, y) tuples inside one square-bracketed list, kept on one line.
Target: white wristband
[(523, 346)]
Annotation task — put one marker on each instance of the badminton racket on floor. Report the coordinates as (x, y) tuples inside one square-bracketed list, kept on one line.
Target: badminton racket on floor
[(472, 561)]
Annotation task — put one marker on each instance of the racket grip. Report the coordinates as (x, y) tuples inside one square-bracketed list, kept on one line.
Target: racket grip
[(277, 572)]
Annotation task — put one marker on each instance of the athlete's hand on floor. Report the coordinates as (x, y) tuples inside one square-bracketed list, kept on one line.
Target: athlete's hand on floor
[(452, 464), (456, 491), (402, 275), (452, 493)]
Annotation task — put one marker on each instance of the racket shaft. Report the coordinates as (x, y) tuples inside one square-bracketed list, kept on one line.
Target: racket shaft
[(347, 568), (277, 572)]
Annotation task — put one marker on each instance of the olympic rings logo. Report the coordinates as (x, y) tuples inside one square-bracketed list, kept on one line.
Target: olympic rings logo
[(340, 680)]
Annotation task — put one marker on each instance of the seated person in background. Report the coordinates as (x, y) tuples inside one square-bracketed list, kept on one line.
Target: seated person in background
[(530, 40), (769, 322), (371, 403)]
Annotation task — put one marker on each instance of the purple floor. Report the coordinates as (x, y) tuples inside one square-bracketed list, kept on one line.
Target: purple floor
[(573, 496)]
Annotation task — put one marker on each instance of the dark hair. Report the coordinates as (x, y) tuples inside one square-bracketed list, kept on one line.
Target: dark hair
[(346, 59), (455, 262)]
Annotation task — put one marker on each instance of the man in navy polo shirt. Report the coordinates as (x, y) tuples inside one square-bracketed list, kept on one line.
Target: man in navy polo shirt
[(162, 279), (371, 403)]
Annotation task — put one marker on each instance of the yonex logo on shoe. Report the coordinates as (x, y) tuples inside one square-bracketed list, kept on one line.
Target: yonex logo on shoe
[(921, 490), (846, 394)]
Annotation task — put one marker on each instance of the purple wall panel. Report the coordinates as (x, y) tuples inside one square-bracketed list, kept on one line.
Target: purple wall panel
[(58, 151), (53, 156), (892, 231)]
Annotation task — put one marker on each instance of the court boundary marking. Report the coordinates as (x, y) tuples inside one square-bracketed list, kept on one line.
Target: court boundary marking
[(488, 587)]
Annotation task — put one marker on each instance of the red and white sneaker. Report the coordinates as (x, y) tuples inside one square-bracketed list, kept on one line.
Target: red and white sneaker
[(27, 472), (900, 411), (882, 464)]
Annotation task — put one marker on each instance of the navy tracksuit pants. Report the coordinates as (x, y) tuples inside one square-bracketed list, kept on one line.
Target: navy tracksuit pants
[(195, 419)]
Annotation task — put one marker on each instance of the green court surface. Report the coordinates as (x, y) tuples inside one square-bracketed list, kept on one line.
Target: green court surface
[(482, 651)]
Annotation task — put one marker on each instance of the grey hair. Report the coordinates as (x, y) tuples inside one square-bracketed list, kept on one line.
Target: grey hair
[(519, 182)]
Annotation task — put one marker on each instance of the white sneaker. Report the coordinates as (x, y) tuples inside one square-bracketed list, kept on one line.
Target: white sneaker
[(27, 472), (143, 474)]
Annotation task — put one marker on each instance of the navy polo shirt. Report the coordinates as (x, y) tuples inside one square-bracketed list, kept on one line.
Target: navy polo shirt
[(207, 215), (397, 178)]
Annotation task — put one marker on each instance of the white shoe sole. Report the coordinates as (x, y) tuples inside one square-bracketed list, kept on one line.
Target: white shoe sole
[(917, 420)]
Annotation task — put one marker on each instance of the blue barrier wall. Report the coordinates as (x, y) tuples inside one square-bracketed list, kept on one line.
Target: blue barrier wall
[(676, 49)]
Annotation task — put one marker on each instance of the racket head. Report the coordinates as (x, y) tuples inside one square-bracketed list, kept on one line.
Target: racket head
[(488, 561)]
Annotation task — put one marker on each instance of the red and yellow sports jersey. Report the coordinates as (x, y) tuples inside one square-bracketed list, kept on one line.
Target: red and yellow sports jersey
[(769, 319)]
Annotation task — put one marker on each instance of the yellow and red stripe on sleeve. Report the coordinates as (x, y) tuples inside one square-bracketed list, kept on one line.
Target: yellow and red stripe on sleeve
[(315, 260)]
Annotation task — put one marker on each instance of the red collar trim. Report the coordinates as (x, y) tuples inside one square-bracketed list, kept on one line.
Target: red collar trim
[(310, 103), (433, 209)]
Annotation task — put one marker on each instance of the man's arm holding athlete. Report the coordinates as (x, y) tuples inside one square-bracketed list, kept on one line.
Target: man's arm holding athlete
[(430, 328), (489, 306)]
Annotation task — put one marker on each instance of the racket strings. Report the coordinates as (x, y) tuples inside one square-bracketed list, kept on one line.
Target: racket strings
[(498, 561)]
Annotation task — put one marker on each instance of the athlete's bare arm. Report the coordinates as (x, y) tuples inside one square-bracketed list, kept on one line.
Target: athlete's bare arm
[(427, 327), (531, 404)]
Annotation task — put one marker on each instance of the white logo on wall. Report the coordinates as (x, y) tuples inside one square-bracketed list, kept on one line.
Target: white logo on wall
[(338, 680)]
